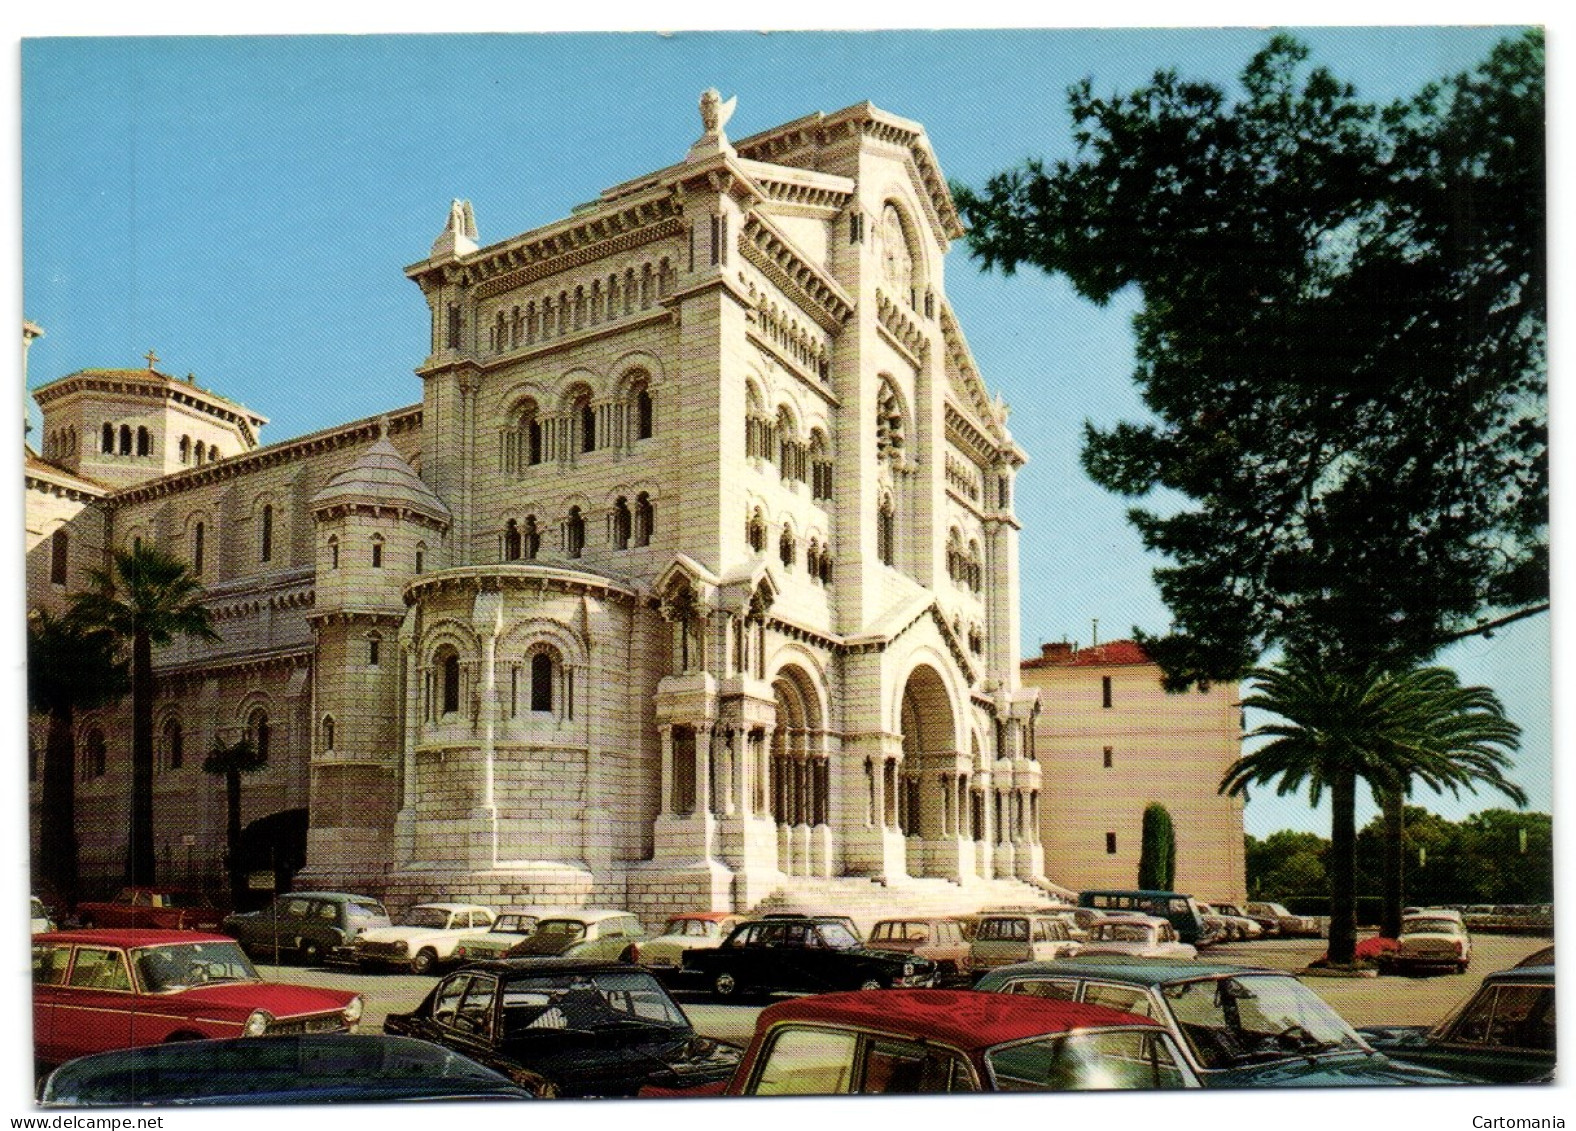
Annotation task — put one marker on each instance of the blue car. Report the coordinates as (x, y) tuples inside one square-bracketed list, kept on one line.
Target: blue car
[(1237, 1026)]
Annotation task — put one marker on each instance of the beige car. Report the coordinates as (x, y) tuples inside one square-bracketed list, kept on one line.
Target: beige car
[(1003, 938), (938, 939)]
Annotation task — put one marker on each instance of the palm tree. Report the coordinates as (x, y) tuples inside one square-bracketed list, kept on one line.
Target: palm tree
[(148, 598), (1342, 725), (230, 762), (71, 667)]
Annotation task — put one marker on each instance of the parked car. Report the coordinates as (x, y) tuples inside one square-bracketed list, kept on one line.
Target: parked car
[(939, 939), (587, 1028), (1080, 920), (425, 937), (510, 928), (1432, 939), (846, 920), (590, 933), (1243, 926), (1006, 937), (1287, 925), (1216, 928), (324, 1069), (1237, 1026), (925, 1041), (1503, 1034), (1543, 956), (94, 991), (310, 926), (156, 908), (39, 914), (809, 954), (1147, 937), (690, 930), (1180, 910)]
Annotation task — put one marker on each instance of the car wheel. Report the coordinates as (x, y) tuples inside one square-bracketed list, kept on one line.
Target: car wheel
[(727, 986), (871, 984), (426, 958), (309, 951), (1461, 967)]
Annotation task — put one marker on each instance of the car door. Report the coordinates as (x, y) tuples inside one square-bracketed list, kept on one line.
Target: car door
[(50, 963), (763, 960), (893, 1067), (1505, 1034), (803, 1060), (94, 1010)]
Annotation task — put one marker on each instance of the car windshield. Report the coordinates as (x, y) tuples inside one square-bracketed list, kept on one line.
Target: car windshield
[(587, 1002), (514, 924), (837, 936), (1094, 1060), (1430, 927), (690, 928), (180, 966), (1230, 1022), (428, 918), (366, 912)]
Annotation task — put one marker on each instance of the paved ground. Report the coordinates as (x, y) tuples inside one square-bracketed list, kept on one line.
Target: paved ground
[(1362, 1001)]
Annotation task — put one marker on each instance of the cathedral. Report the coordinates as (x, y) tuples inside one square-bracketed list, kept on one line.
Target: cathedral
[(691, 579)]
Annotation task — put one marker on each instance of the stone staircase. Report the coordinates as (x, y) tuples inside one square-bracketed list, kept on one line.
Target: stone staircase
[(868, 901)]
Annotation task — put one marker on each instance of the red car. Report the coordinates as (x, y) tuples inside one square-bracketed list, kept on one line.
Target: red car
[(94, 991), (914, 1041), (156, 908)]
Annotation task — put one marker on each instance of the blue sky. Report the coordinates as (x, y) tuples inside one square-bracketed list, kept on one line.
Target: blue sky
[(244, 207)]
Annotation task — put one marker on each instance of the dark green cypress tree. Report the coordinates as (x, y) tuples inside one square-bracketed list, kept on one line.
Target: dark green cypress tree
[(1157, 859)]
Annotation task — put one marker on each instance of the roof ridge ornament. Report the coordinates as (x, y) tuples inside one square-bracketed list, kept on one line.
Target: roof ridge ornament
[(459, 233), (714, 115)]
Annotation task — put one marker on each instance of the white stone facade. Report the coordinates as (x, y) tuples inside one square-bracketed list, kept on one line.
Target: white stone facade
[(692, 576)]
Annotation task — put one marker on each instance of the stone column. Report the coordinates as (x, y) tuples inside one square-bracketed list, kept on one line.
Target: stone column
[(703, 769), (665, 733)]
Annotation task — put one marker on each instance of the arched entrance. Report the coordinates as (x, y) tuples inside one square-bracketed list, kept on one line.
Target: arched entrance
[(799, 780), (931, 779)]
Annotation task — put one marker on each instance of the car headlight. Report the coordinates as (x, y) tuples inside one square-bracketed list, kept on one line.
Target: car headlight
[(257, 1024), (352, 1011), (908, 969)]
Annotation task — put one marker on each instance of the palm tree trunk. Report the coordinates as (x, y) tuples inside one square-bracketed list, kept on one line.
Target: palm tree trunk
[(1343, 869), (1394, 862), (140, 850), (57, 831), (232, 834)]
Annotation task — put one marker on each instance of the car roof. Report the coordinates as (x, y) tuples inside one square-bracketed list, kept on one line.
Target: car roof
[(589, 914), (708, 916), (544, 964), (965, 1019), (1146, 971), (346, 897), (919, 919), (128, 937), (1521, 974), (1139, 920), (457, 907)]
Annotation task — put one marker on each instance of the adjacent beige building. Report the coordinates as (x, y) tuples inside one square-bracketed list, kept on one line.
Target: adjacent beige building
[(689, 577), (1110, 740)]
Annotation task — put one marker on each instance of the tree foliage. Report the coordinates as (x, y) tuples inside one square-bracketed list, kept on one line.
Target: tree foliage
[(1333, 730), (1157, 855), (1342, 341), (147, 599), (230, 761)]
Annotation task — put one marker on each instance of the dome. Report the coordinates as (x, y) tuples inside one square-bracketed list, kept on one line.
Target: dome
[(381, 478)]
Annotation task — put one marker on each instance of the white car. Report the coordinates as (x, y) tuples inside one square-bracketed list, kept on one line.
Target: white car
[(40, 915), (509, 928), (1080, 920), (1433, 938), (1139, 936), (691, 930), (1242, 926), (424, 938)]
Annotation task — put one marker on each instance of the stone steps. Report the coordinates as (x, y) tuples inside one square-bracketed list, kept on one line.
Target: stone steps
[(868, 901)]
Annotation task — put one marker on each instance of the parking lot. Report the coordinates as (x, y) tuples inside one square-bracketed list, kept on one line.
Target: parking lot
[(1362, 1001)]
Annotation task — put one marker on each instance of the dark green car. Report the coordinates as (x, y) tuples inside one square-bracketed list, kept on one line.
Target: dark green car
[(1503, 1034), (1238, 1026), (309, 926)]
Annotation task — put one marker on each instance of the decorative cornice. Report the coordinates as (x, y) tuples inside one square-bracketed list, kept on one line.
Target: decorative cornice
[(332, 439), (775, 256), (155, 385), (517, 576), (400, 511), (896, 321), (293, 656), (612, 242), (386, 618), (62, 484)]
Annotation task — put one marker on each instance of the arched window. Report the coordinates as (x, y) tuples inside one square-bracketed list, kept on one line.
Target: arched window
[(259, 732), (975, 569), (125, 439), (107, 440), (333, 552), (213, 451), (786, 548), (580, 307), (755, 531), (421, 556), (93, 760), (826, 565), (542, 681), (621, 524), (268, 533), (587, 415), (328, 732), (574, 533), (511, 541), (820, 467), (885, 531), (374, 650), (172, 745), (198, 449), (197, 549), (144, 441), (645, 519), (377, 551), (449, 677), (643, 414), (531, 539), (59, 556), (186, 449), (889, 424), (897, 259)]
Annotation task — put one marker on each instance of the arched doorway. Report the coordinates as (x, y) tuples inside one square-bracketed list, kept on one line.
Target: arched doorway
[(275, 843), (798, 780), (925, 786)]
